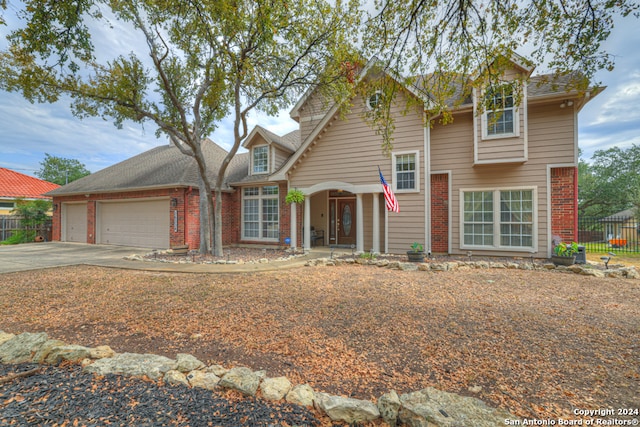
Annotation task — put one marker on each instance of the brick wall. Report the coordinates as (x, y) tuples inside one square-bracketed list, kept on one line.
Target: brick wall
[(440, 213), (564, 203)]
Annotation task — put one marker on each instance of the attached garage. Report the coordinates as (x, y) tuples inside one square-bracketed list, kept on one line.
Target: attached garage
[(134, 223), (74, 222)]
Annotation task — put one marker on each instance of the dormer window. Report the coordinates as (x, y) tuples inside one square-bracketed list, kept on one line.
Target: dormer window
[(500, 118), (261, 159)]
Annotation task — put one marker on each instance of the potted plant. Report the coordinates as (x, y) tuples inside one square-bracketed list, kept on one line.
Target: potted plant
[(416, 254), (564, 253)]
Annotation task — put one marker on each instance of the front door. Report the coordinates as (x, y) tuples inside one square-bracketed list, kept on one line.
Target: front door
[(346, 221)]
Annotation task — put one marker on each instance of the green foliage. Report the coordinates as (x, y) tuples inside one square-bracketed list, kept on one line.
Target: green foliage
[(295, 196), (610, 183), (33, 213), (369, 255), (61, 171), (417, 247), (566, 249), (20, 236)]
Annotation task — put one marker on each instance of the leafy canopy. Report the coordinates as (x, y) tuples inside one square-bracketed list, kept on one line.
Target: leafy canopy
[(61, 171)]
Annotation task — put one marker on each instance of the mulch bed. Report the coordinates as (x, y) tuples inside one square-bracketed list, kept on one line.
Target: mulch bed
[(535, 343), (64, 396)]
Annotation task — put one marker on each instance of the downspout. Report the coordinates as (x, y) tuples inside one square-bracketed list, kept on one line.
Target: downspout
[(427, 182), (186, 212), (575, 204)]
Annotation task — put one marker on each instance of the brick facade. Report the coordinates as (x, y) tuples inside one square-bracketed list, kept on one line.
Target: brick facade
[(440, 213), (564, 203)]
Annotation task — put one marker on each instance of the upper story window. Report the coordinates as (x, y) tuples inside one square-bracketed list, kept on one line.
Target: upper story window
[(261, 159), (500, 118), (374, 100), (406, 171)]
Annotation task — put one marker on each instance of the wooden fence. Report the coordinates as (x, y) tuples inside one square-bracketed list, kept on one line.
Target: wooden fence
[(10, 224)]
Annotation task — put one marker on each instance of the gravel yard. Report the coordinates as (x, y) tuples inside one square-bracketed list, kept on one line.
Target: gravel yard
[(535, 343)]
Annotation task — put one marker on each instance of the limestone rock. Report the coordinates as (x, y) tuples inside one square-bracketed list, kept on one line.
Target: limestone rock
[(101, 352), (407, 266), (21, 348), (4, 336), (242, 379), (132, 364), (425, 266), (389, 405), (432, 407), (202, 379), (44, 350), (71, 353), (187, 363), (217, 369), (275, 388), (591, 272), (175, 377), (301, 394), (346, 409), (631, 273)]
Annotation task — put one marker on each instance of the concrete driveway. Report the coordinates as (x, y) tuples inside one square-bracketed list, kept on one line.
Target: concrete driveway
[(32, 256)]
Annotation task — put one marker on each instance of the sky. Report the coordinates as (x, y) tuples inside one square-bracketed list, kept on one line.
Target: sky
[(28, 131)]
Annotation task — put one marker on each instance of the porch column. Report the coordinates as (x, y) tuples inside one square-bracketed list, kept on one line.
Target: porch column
[(376, 222), (359, 224), (293, 225), (307, 223)]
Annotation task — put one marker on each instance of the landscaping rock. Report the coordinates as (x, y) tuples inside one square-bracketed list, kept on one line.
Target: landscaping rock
[(217, 370), (202, 379), (389, 406), (44, 350), (241, 379), (101, 352), (175, 377), (21, 348), (275, 388), (302, 395), (70, 353), (431, 407), (188, 363), (131, 364), (5, 337), (346, 409)]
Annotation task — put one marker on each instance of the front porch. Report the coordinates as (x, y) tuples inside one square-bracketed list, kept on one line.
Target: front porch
[(339, 214)]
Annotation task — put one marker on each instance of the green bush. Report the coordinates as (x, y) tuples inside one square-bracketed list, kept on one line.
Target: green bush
[(20, 236)]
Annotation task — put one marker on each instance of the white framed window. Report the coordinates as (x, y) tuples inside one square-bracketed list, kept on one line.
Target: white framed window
[(261, 159), (498, 219), (406, 171), (260, 213), (500, 118), (374, 100)]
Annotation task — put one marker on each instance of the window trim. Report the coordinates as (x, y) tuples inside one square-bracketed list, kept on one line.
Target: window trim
[(378, 97), (496, 220), (485, 119), (253, 159), (394, 156), (260, 197)]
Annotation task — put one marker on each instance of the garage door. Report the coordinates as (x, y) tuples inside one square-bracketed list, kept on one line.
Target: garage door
[(75, 222), (140, 223)]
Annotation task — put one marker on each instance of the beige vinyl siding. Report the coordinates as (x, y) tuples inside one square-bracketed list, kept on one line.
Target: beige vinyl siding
[(311, 114), (551, 141), (350, 151), (279, 158)]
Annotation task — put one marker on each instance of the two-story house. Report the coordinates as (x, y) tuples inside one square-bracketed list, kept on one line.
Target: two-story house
[(494, 182)]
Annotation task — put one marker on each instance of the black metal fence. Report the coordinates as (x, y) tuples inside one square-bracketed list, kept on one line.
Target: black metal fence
[(610, 234), (10, 224)]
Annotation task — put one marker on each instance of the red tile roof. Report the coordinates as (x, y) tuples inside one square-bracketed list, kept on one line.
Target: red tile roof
[(14, 184)]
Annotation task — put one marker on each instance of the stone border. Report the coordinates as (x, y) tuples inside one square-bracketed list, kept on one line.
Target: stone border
[(429, 406), (585, 270)]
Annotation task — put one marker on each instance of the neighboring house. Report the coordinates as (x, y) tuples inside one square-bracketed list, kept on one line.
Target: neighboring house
[(15, 185), (622, 229), (493, 187)]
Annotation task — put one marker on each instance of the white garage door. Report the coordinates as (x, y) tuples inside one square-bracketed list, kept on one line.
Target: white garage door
[(75, 222), (140, 223)]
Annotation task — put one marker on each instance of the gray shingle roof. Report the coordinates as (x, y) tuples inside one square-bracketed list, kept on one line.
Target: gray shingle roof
[(160, 167)]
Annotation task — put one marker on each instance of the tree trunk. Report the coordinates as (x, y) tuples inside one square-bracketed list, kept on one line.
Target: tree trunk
[(217, 246)]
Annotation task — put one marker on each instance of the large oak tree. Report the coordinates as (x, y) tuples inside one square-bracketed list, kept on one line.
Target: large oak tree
[(191, 64)]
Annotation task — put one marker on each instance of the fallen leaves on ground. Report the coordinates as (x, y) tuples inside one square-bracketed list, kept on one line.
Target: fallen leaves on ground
[(535, 343)]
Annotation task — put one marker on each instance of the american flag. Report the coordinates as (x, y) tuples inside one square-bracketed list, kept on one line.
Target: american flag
[(389, 197)]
